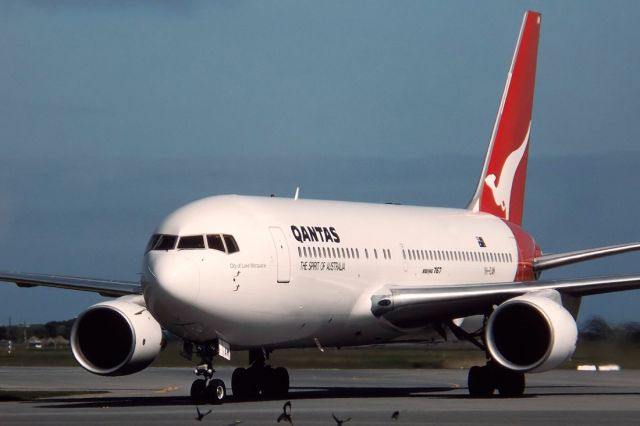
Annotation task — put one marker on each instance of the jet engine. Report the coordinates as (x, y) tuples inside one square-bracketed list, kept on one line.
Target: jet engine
[(116, 338), (531, 333)]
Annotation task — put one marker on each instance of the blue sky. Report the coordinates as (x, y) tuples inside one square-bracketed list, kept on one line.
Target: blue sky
[(114, 113)]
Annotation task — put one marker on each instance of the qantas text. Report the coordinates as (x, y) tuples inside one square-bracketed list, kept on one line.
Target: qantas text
[(315, 233)]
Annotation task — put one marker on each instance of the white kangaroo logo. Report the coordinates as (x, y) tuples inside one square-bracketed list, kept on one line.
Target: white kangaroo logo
[(502, 192)]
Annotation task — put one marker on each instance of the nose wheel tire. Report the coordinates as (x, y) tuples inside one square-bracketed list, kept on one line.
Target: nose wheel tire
[(213, 392), (199, 391), (216, 391)]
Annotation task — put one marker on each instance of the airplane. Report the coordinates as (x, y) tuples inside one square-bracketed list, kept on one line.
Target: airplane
[(230, 272)]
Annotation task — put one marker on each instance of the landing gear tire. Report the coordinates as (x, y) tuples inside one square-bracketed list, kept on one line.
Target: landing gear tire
[(267, 382), (239, 383), (260, 381), (480, 382), (510, 383), (216, 391), (281, 376), (199, 391), (483, 381)]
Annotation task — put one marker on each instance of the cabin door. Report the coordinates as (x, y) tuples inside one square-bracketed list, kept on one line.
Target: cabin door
[(282, 254)]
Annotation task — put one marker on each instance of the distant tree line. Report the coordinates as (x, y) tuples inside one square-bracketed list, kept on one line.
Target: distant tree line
[(593, 329), (597, 328), (18, 332)]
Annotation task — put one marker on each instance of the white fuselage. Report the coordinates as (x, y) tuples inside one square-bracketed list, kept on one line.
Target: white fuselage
[(305, 270)]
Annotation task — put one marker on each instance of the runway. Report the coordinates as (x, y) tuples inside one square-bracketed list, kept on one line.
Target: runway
[(159, 396)]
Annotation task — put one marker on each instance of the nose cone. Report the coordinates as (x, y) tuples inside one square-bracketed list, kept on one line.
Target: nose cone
[(171, 282)]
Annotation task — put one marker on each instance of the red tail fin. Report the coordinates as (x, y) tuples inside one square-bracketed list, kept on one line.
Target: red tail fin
[(500, 190)]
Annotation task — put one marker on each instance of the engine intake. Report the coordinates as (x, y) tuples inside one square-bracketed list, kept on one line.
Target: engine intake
[(116, 338), (531, 333)]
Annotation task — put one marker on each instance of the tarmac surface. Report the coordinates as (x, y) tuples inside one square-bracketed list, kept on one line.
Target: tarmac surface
[(159, 396)]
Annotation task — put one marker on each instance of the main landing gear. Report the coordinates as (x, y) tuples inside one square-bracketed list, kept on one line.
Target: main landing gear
[(207, 389), (259, 380), (483, 381)]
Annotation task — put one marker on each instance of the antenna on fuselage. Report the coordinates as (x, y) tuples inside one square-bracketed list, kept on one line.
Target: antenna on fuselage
[(295, 196)]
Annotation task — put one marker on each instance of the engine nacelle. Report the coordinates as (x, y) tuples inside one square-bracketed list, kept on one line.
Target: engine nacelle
[(531, 333), (116, 338)]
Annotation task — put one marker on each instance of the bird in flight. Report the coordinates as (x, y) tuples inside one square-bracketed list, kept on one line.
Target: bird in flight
[(286, 413), (201, 415), (338, 421)]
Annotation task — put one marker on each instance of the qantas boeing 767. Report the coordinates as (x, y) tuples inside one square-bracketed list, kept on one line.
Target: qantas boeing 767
[(260, 274)]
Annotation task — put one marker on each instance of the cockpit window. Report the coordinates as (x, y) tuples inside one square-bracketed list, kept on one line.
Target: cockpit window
[(215, 242), (162, 242), (232, 246), (191, 242), (223, 242), (152, 242)]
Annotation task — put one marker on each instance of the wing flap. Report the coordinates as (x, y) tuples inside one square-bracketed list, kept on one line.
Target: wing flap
[(109, 288), (414, 306)]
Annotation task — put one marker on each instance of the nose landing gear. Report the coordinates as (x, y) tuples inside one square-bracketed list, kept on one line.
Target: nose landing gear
[(259, 380), (207, 389)]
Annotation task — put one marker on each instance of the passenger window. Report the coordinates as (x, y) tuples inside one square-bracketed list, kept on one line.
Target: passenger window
[(366, 253), (232, 246), (215, 242), (333, 252), (191, 242), (375, 253), (299, 252)]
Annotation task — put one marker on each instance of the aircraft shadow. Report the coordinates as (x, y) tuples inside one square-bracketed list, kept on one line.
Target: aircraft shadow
[(302, 393), (295, 394)]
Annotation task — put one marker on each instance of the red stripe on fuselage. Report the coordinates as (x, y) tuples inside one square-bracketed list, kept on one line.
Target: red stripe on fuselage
[(527, 251)]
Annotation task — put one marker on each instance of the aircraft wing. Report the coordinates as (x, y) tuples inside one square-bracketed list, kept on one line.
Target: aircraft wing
[(108, 288), (561, 259), (414, 306)]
